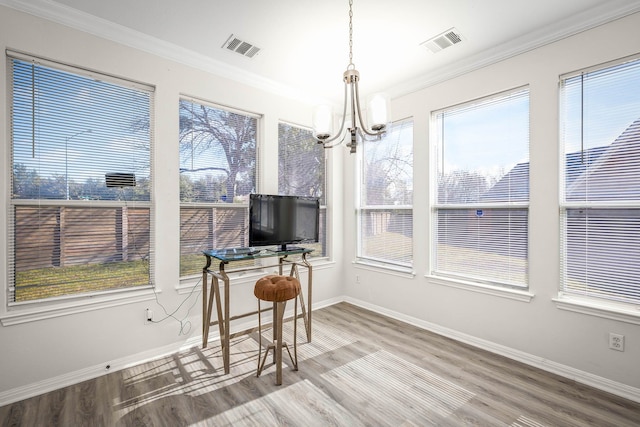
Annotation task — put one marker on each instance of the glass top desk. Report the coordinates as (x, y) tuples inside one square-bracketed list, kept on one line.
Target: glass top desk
[(292, 257)]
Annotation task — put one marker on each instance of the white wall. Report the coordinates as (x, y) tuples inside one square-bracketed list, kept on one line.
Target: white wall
[(44, 354), (537, 329), (47, 353)]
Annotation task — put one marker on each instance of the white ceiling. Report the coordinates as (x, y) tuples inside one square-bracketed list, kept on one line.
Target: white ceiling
[(304, 43)]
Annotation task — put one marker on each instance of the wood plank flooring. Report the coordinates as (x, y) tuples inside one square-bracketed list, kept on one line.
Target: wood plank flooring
[(362, 369)]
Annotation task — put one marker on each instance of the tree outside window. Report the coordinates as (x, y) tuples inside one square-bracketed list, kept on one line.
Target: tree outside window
[(301, 172), (217, 149), (385, 205)]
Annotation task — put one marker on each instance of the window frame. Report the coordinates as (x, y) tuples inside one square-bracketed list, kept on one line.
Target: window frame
[(16, 312), (369, 260), (590, 303), (187, 279), (323, 199), (506, 289)]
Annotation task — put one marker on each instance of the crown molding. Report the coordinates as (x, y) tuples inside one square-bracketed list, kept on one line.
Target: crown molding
[(576, 24), (53, 11), (73, 18)]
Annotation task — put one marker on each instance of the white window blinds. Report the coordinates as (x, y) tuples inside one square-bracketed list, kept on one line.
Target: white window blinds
[(218, 169), (385, 205), (482, 190), (80, 218), (600, 206), (301, 172)]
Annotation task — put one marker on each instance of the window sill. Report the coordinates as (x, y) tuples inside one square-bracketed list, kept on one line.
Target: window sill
[(23, 314), (388, 269), (608, 310), (514, 294)]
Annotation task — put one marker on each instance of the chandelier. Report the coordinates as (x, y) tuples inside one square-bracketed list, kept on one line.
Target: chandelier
[(377, 110)]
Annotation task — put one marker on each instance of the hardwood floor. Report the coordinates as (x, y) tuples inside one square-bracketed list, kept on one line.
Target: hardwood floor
[(362, 369)]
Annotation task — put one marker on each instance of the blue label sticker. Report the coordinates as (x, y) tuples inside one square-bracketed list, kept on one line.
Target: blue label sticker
[(479, 212)]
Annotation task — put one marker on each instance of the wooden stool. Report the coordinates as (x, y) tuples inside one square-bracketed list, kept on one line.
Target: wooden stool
[(277, 289)]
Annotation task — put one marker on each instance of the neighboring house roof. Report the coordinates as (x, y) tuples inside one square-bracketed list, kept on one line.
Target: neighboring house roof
[(621, 158), (598, 164), (514, 186)]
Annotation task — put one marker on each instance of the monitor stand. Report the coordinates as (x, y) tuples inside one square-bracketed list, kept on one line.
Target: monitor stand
[(285, 248)]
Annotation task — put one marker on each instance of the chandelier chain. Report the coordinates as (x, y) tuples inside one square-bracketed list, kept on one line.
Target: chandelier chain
[(357, 128), (351, 65)]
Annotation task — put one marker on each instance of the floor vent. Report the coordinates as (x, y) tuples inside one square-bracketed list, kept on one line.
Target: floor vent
[(443, 41), (234, 44)]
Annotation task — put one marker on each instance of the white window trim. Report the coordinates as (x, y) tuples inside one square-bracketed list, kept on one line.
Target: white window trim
[(627, 313), (12, 313), (34, 312), (384, 265), (386, 268), (487, 289), (589, 305), (327, 234), (186, 282), (502, 290)]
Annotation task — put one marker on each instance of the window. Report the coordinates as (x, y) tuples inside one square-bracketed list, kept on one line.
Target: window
[(217, 173), (482, 192), (301, 172), (385, 204), (80, 215), (600, 205)]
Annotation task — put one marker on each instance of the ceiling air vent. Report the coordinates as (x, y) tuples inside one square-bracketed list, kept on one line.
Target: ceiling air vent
[(234, 44), (443, 41)]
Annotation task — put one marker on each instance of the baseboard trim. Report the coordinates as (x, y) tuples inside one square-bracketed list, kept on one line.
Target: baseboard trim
[(75, 377), (577, 375), (20, 393), (30, 390)]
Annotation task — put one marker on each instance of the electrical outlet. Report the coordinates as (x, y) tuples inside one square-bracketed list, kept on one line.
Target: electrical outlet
[(148, 316), (616, 341)]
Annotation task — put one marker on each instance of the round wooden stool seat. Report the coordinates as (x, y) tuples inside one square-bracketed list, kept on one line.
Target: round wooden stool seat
[(277, 288)]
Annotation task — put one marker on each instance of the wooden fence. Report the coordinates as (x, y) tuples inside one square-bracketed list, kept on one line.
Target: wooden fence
[(59, 236)]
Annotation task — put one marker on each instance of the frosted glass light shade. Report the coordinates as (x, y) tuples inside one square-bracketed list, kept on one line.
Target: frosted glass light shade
[(322, 121), (378, 111)]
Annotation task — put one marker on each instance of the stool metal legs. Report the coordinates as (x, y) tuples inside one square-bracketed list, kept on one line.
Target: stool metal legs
[(276, 345)]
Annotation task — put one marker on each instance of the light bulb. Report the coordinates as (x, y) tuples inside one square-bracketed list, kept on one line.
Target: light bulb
[(323, 122), (378, 111)]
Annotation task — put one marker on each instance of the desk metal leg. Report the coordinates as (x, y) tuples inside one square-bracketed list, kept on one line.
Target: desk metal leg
[(212, 295), (306, 311), (209, 293), (296, 273), (206, 315), (277, 326), (309, 310), (223, 321), (224, 331)]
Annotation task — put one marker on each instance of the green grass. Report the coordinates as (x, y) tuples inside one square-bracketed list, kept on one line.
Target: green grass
[(52, 282), (491, 266), (191, 264), (389, 246), (58, 281)]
